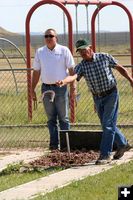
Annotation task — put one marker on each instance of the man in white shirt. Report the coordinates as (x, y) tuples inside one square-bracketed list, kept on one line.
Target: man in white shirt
[(53, 62)]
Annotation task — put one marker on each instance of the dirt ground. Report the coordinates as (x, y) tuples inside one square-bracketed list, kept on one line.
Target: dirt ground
[(64, 159)]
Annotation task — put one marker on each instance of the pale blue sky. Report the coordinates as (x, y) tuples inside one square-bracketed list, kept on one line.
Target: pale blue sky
[(13, 15)]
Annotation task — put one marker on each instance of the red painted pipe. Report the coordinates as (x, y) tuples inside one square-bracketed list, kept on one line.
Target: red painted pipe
[(28, 55), (86, 2), (60, 3), (130, 24)]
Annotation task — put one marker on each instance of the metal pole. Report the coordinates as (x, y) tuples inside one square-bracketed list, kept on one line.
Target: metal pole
[(68, 144), (130, 24), (87, 20), (86, 2)]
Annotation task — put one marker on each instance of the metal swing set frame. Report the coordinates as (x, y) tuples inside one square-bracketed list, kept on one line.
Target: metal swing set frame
[(61, 4)]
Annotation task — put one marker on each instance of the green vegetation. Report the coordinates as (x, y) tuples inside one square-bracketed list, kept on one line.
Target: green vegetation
[(31, 137), (10, 177), (99, 187), (14, 111), (14, 106), (120, 49), (24, 137)]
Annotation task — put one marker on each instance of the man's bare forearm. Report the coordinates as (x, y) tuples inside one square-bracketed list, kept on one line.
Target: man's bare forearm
[(73, 84), (35, 79), (124, 73), (69, 79)]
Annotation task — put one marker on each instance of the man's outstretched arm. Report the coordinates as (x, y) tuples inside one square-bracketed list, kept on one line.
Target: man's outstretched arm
[(68, 79), (124, 73)]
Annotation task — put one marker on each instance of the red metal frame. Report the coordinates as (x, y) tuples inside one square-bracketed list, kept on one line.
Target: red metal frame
[(130, 24), (86, 2), (60, 3), (57, 3)]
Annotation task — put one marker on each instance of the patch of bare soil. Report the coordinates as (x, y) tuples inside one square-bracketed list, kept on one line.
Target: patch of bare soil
[(5, 153), (63, 159)]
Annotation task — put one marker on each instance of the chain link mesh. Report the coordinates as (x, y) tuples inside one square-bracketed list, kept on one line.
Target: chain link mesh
[(17, 132), (15, 129)]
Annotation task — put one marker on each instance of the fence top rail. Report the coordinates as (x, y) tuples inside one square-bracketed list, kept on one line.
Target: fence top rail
[(76, 56), (30, 69), (114, 55), (17, 69), (128, 66), (72, 124)]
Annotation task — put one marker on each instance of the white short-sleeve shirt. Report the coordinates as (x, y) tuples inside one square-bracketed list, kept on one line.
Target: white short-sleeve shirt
[(53, 64)]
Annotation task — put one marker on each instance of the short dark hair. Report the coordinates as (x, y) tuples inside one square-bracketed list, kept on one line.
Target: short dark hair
[(51, 29)]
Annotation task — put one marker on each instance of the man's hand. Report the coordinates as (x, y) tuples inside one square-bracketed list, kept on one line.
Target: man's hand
[(60, 83), (131, 82), (34, 98), (95, 109), (68, 79)]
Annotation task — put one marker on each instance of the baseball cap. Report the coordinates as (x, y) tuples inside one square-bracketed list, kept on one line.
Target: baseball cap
[(81, 44)]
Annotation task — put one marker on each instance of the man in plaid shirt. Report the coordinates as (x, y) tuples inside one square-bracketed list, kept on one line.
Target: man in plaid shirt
[(96, 68)]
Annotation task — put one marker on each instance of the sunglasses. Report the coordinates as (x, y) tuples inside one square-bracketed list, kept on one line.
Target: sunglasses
[(49, 36)]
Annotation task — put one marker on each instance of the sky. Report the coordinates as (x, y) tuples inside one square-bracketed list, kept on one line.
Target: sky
[(13, 16)]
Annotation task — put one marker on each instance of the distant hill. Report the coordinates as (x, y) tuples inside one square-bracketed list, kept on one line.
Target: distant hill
[(4, 32)]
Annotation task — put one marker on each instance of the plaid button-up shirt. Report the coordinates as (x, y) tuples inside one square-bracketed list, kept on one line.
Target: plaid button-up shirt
[(97, 73)]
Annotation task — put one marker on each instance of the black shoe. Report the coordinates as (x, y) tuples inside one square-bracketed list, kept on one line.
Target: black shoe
[(102, 160), (53, 147), (120, 152)]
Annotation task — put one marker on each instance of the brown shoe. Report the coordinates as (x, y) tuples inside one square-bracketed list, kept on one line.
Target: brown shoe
[(102, 160), (120, 152)]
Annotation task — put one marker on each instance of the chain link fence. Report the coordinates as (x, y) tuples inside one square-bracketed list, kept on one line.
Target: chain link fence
[(15, 129), (17, 132)]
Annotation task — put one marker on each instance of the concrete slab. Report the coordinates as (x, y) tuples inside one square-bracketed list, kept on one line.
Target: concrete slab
[(58, 180), (18, 156)]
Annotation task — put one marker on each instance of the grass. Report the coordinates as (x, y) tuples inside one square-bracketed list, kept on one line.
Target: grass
[(120, 49), (30, 137), (99, 187), (24, 137), (12, 180), (14, 107), (14, 111)]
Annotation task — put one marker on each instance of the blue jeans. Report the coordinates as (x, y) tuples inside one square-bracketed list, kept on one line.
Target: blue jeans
[(56, 111), (107, 108)]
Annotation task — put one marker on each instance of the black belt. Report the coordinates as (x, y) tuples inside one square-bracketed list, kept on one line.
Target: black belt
[(49, 84), (105, 93)]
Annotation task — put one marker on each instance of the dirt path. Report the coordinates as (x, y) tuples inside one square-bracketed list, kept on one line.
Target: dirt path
[(17, 156), (58, 180)]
